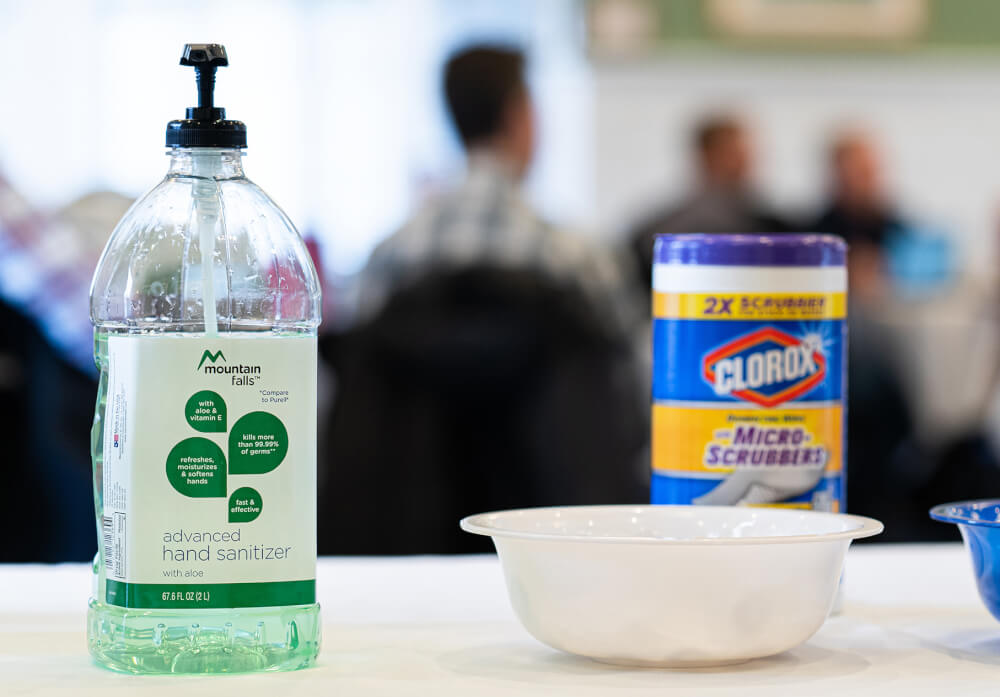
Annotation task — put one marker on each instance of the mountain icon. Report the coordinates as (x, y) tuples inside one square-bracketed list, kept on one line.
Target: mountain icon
[(209, 356)]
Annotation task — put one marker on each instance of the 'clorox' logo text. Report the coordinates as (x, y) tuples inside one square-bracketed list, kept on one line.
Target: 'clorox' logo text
[(767, 367)]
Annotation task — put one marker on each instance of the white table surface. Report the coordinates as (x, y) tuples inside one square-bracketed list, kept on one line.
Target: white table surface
[(912, 624)]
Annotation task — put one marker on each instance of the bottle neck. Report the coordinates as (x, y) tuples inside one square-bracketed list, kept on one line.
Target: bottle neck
[(212, 163)]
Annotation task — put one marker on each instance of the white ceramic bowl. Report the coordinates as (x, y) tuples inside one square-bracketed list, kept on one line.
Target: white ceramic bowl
[(671, 586)]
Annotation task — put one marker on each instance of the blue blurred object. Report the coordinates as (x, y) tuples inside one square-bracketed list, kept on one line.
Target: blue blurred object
[(979, 523), (920, 260)]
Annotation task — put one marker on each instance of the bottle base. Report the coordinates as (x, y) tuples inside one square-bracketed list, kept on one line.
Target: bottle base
[(240, 640)]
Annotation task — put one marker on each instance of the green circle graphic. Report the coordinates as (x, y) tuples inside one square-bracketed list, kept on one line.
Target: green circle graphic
[(196, 467), (245, 505), (205, 411), (258, 443)]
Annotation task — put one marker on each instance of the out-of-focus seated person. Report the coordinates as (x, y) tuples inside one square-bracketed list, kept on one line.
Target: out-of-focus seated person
[(485, 219), (889, 471), (722, 197), (859, 210), (493, 368), (47, 376)]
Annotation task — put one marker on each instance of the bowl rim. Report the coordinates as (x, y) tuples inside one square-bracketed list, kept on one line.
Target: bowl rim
[(939, 512), (865, 527)]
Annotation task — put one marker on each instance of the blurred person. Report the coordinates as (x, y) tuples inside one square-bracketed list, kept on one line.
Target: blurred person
[(893, 474), (859, 210), (882, 456), (485, 219), (493, 368), (47, 374), (722, 197)]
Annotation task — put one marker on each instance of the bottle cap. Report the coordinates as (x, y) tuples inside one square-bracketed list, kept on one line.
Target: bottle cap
[(750, 250), (206, 125)]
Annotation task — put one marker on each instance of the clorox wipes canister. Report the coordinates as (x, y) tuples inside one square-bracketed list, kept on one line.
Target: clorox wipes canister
[(749, 370)]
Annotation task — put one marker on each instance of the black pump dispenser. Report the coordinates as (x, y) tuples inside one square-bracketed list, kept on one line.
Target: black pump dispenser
[(206, 125)]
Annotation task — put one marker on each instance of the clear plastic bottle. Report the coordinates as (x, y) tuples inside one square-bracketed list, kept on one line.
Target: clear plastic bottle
[(205, 270)]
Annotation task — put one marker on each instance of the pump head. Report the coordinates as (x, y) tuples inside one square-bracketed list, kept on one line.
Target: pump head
[(213, 55), (206, 125)]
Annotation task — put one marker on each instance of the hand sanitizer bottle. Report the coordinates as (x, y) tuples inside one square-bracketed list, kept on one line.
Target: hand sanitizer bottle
[(205, 305)]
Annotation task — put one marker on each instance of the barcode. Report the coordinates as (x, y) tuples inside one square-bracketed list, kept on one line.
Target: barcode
[(107, 529), (113, 538)]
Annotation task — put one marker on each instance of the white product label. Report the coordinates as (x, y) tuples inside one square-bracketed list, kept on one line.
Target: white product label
[(210, 471)]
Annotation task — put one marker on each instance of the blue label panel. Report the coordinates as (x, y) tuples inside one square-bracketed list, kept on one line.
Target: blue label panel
[(803, 360)]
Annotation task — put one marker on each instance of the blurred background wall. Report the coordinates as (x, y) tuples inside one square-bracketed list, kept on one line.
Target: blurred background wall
[(341, 98), (934, 116), (348, 132)]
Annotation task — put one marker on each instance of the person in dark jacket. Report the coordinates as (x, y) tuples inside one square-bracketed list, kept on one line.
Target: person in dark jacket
[(859, 209), (722, 198), (493, 367)]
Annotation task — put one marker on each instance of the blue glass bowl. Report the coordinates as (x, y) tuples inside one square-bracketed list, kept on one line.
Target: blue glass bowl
[(979, 523)]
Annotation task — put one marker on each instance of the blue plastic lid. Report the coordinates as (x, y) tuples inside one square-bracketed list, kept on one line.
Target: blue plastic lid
[(750, 250)]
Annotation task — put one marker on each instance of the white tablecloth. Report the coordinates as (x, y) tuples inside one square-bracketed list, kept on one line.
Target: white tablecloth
[(911, 624)]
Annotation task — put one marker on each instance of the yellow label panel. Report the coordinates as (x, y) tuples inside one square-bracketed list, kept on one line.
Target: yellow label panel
[(723, 440), (799, 506), (752, 306)]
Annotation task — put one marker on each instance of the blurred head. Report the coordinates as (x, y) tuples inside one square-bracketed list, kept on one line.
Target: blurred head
[(490, 105), (723, 151), (856, 171)]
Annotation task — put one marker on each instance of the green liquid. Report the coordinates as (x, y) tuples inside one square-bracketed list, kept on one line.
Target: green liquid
[(188, 641), (206, 641)]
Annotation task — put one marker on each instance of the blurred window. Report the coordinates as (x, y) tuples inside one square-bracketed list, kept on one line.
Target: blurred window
[(341, 98)]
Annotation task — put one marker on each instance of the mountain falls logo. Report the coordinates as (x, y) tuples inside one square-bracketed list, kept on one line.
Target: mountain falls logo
[(766, 367), (241, 373), (209, 356)]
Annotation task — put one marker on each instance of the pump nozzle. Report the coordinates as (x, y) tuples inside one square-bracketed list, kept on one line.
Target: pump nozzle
[(205, 59), (205, 125)]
